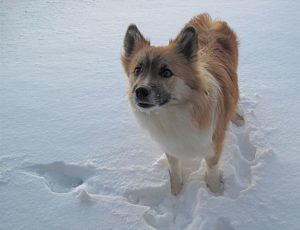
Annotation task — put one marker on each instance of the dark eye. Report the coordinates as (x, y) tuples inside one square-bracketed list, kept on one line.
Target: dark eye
[(166, 73), (137, 71)]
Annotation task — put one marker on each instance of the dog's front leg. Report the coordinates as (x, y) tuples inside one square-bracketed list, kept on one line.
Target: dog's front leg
[(213, 177), (175, 174)]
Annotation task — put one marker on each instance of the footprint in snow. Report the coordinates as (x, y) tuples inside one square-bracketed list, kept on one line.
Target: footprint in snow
[(61, 177)]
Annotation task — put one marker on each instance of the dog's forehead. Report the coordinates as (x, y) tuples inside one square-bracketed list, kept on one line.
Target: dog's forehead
[(153, 61)]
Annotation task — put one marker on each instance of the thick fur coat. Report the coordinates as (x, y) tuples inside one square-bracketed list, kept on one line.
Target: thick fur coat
[(185, 93)]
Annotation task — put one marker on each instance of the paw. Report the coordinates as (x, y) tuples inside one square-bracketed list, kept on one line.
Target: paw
[(176, 188), (176, 184), (238, 120), (215, 183)]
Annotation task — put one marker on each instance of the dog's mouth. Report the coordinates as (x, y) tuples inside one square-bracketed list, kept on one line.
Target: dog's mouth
[(164, 102), (145, 105)]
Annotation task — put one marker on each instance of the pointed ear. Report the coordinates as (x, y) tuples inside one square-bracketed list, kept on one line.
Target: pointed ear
[(133, 40), (187, 43)]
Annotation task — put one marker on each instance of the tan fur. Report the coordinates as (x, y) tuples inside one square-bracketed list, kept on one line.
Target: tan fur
[(210, 90), (219, 52)]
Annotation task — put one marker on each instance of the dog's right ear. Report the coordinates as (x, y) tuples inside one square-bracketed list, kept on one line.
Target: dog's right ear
[(133, 40)]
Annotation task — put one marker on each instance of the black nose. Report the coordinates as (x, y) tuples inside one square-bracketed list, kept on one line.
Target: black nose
[(142, 92)]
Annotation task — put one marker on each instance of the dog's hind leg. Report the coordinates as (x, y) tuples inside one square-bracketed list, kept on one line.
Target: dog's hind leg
[(175, 172), (238, 119)]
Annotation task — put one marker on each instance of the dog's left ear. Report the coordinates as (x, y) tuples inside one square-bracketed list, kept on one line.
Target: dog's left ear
[(133, 40), (187, 43)]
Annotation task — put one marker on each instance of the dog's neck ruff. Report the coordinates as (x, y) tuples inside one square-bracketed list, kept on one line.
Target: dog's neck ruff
[(172, 127)]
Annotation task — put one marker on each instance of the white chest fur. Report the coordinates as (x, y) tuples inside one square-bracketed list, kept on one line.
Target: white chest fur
[(173, 129)]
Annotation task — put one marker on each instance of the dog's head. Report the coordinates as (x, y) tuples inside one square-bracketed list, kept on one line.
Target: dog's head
[(160, 76)]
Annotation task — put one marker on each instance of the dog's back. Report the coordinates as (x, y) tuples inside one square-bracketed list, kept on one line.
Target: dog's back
[(219, 53), (217, 40)]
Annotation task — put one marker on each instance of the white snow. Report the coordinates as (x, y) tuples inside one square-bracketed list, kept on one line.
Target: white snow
[(72, 155)]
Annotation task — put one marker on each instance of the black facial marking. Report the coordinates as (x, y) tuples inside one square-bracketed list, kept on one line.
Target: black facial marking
[(153, 66)]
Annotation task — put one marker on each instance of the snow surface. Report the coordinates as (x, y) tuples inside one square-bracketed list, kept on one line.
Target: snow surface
[(71, 154)]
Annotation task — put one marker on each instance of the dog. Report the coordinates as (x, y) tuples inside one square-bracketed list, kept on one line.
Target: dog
[(186, 93)]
